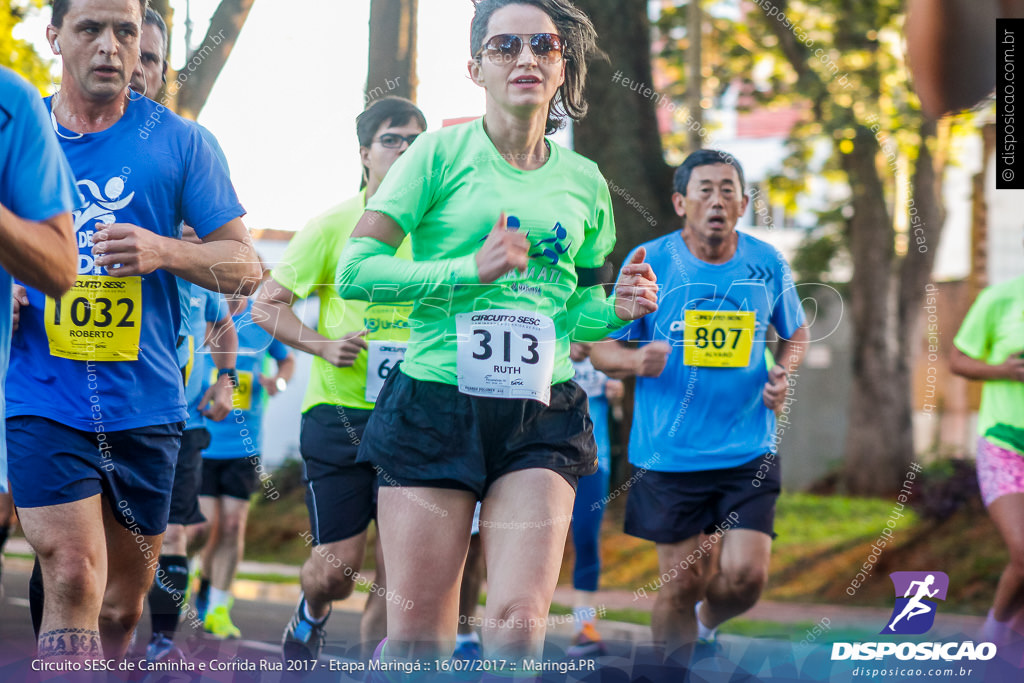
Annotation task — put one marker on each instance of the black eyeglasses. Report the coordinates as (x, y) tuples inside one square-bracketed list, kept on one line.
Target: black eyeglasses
[(394, 140), (547, 47)]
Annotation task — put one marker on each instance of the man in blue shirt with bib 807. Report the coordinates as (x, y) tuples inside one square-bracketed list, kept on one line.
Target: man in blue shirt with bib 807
[(704, 424)]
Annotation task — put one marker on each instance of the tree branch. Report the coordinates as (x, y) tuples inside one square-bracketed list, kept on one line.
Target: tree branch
[(197, 76)]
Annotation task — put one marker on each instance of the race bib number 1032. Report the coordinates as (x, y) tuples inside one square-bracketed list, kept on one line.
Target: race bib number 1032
[(99, 319)]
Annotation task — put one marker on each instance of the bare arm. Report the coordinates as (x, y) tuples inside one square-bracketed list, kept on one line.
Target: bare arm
[(42, 254), (222, 340), (947, 79), (618, 361), (273, 312), (972, 368), (789, 354), (285, 370), (225, 262)]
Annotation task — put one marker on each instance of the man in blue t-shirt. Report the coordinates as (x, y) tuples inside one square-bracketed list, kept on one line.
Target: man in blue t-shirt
[(703, 439), (232, 470), (95, 399), (37, 243)]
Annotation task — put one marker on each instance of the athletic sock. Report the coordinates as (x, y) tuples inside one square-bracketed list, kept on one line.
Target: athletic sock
[(703, 632), (463, 638), (310, 618), (218, 598), (35, 597), (582, 615), (167, 593), (204, 589)]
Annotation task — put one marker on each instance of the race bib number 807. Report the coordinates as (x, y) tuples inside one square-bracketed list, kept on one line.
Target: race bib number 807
[(718, 339), (505, 354)]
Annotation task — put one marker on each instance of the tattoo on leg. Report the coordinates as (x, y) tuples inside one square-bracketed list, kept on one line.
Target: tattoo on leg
[(70, 642)]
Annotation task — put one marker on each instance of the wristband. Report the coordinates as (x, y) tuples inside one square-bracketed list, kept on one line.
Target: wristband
[(231, 373)]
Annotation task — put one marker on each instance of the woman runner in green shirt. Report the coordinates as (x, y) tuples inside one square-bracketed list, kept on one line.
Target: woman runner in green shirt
[(508, 233)]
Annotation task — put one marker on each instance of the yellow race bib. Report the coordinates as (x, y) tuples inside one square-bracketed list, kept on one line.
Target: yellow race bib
[(190, 365), (718, 339), (99, 319), (241, 397)]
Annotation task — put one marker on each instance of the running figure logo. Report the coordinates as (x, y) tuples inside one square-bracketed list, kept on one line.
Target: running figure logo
[(552, 248), (914, 612)]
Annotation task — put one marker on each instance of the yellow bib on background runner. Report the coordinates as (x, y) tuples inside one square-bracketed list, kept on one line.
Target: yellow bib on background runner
[(99, 319), (241, 396), (191, 364), (718, 339)]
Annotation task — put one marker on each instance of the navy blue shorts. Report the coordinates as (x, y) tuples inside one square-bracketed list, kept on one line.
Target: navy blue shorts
[(51, 464), (187, 476), (341, 495), (231, 477), (669, 507), (428, 434)]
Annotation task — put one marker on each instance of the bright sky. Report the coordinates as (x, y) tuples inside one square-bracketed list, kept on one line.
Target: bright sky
[(284, 107)]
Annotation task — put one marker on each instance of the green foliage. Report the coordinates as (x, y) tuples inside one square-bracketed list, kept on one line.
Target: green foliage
[(815, 255), (841, 60), (804, 522), (946, 486), (20, 55)]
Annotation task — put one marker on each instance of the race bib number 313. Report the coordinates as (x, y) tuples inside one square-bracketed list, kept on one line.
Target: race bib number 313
[(99, 319), (718, 339), (505, 354)]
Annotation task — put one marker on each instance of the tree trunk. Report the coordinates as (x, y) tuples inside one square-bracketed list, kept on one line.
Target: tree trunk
[(196, 78), (929, 208), (695, 32), (886, 308), (621, 132), (392, 68), (879, 441)]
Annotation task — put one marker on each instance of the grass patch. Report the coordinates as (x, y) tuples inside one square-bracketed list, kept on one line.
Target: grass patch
[(268, 578), (20, 556), (629, 616)]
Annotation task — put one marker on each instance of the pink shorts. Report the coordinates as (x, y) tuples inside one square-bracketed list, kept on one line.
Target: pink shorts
[(1000, 471)]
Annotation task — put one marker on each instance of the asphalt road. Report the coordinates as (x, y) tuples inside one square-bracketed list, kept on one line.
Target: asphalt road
[(256, 657)]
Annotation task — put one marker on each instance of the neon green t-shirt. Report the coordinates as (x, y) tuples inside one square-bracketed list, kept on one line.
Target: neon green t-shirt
[(992, 331), (447, 192), (308, 267)]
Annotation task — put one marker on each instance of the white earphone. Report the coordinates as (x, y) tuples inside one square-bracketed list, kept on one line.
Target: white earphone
[(56, 46)]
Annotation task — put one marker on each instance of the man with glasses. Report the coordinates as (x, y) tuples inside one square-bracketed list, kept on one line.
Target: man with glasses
[(353, 348)]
